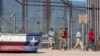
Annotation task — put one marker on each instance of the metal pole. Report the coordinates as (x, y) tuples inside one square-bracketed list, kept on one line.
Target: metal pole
[(11, 28), (14, 23), (39, 18), (82, 33), (71, 23), (23, 16), (26, 20), (47, 15), (56, 44), (68, 31), (93, 17)]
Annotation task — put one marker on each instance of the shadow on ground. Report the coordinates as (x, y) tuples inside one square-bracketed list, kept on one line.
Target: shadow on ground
[(20, 52)]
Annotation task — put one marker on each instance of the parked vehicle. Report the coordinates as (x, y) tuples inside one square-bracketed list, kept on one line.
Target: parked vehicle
[(19, 42)]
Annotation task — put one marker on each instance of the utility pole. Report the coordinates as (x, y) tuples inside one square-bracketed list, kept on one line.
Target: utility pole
[(23, 16), (71, 22), (47, 15)]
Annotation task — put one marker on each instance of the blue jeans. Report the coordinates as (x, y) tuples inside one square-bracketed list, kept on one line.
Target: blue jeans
[(93, 45)]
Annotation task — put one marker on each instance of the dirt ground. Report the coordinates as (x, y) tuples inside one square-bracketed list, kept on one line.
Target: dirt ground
[(49, 52)]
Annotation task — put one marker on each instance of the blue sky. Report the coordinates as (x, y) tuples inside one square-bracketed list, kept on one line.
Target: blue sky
[(79, 0)]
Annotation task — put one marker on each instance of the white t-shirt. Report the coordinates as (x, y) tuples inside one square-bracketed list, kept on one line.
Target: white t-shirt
[(78, 34), (51, 33)]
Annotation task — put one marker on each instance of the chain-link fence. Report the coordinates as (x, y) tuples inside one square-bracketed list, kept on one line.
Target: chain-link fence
[(36, 25), (35, 22)]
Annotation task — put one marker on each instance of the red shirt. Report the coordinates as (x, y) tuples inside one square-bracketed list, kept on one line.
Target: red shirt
[(65, 34), (91, 36)]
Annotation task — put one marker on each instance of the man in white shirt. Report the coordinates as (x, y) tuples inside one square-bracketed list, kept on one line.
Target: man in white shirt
[(78, 39), (51, 37)]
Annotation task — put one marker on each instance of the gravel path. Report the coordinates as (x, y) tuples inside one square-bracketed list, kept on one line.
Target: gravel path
[(49, 52)]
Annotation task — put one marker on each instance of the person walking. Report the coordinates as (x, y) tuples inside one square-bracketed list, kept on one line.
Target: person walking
[(65, 38), (60, 37), (78, 39), (91, 40), (51, 38)]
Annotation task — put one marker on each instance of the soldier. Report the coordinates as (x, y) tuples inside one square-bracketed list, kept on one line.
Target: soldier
[(60, 37)]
